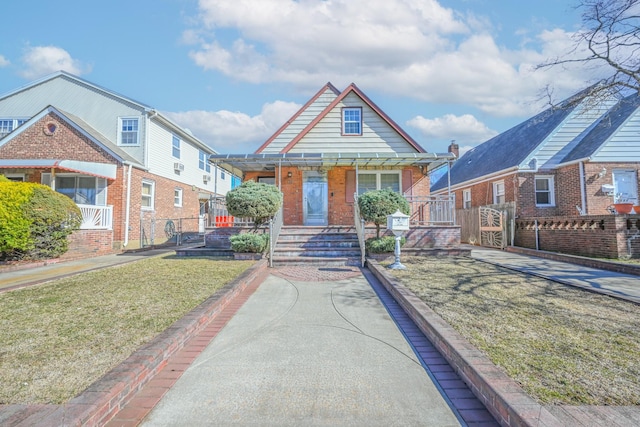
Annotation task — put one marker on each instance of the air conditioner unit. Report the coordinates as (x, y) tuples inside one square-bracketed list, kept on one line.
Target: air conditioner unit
[(178, 167), (206, 178)]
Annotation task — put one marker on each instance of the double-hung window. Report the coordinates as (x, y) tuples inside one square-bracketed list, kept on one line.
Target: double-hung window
[(352, 121), (544, 191), (378, 180), (9, 125), (466, 199), (203, 164), (128, 132), (175, 143), (498, 193), (177, 197), (148, 190)]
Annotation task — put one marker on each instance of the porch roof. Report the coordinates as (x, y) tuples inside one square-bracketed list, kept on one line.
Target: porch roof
[(237, 163), (102, 170)]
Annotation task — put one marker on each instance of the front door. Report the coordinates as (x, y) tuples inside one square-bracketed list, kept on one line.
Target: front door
[(625, 184), (315, 201)]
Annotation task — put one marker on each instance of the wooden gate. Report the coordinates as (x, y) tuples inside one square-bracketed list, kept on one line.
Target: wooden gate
[(492, 229)]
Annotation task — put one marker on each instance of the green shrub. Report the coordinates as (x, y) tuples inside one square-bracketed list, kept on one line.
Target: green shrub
[(376, 205), (381, 245), (249, 242), (255, 200), (35, 221)]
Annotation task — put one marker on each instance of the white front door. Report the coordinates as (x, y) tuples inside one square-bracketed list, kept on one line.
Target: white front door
[(315, 200), (625, 186)]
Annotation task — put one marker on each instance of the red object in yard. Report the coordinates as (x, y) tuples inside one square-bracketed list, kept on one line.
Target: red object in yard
[(636, 209), (623, 208)]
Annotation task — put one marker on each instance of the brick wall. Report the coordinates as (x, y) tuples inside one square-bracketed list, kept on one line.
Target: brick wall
[(89, 243), (603, 236), (438, 237)]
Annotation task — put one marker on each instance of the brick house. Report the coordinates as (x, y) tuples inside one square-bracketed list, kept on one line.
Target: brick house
[(132, 171), (336, 145), (568, 162)]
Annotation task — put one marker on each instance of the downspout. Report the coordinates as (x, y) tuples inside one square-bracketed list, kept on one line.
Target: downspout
[(583, 190), (127, 208)]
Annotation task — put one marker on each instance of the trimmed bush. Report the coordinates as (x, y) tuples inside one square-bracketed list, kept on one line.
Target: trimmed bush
[(255, 200), (376, 205), (35, 221), (249, 242), (381, 245)]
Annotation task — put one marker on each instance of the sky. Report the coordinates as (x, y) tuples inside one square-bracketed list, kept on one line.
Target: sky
[(234, 71)]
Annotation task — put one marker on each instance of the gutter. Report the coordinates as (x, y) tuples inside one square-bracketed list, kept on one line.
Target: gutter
[(495, 175)]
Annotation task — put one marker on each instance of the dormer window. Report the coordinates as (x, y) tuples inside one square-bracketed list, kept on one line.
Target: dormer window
[(352, 121)]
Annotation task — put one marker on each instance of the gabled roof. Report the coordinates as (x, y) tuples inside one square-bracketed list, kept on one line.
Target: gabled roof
[(605, 127), (83, 128), (351, 89), (78, 80), (506, 150), (325, 88)]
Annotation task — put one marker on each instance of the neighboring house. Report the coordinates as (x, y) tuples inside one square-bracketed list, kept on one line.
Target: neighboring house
[(577, 159), (134, 173), (338, 144)]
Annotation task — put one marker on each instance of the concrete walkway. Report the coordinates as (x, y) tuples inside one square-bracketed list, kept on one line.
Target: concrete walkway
[(306, 353), (624, 286)]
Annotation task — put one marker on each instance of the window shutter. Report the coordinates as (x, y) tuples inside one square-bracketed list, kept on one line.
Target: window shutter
[(407, 182), (350, 185)]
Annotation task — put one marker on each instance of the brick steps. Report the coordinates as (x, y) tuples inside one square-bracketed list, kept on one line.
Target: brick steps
[(317, 246)]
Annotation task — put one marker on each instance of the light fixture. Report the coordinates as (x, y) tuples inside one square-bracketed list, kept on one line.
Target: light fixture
[(289, 174), (602, 173)]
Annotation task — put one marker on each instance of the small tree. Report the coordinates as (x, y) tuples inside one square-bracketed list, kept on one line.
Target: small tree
[(376, 205), (255, 200)]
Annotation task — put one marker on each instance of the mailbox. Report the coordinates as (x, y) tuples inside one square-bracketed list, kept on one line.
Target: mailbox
[(398, 222)]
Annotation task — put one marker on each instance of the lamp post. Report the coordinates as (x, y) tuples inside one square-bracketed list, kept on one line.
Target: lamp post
[(397, 223)]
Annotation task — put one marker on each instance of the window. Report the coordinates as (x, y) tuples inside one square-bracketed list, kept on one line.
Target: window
[(267, 180), (6, 126), (498, 193), (177, 197), (544, 191), (368, 181), (129, 131), (176, 147), (352, 121), (148, 189), (466, 199), (203, 163), (84, 190), (222, 176)]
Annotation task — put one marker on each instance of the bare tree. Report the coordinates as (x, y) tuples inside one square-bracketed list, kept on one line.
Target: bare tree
[(611, 37)]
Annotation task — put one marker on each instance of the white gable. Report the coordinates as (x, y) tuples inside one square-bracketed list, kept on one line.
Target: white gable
[(624, 144)]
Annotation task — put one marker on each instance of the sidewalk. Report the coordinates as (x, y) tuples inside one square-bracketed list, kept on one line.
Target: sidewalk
[(618, 285)]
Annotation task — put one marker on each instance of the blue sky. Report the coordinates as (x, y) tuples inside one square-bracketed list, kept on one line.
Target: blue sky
[(233, 71)]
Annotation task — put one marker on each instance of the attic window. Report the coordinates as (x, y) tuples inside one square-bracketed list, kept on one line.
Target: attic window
[(352, 121)]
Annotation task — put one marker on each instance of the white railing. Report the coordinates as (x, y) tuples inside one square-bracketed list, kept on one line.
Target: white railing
[(359, 223), (96, 217), (275, 224), (432, 210), (219, 215)]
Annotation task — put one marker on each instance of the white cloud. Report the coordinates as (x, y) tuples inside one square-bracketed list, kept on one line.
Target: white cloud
[(42, 60), (465, 129), (235, 132), (414, 48), (4, 62)]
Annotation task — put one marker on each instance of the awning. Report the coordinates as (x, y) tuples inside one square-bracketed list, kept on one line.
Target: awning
[(102, 170), (237, 163)]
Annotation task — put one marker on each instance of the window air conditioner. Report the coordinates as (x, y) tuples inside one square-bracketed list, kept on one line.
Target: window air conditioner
[(178, 167), (206, 178)]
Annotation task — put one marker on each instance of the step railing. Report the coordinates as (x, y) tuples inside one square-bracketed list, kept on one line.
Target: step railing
[(275, 225), (359, 224)]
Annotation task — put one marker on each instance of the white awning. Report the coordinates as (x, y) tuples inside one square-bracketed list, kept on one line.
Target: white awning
[(102, 170)]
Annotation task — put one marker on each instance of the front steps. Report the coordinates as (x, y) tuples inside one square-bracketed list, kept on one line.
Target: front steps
[(323, 245)]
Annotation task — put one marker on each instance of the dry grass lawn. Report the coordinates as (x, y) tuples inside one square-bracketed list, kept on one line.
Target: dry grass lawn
[(60, 337), (562, 345)]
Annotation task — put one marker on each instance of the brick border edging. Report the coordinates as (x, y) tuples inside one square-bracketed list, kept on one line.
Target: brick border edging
[(616, 267), (102, 400), (502, 396)]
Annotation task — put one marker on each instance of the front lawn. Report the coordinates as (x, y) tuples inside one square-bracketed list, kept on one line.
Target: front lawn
[(58, 338), (561, 344)]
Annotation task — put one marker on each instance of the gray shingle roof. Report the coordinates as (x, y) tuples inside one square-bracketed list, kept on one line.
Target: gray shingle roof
[(506, 150)]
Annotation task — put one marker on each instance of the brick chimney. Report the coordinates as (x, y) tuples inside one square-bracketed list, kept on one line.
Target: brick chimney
[(454, 148)]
